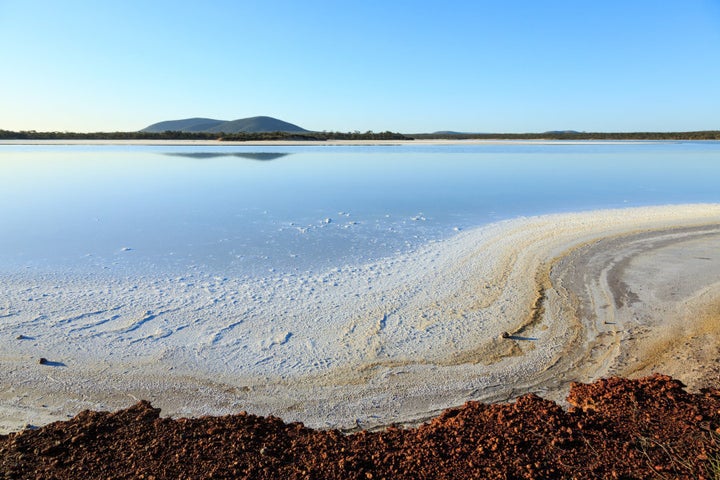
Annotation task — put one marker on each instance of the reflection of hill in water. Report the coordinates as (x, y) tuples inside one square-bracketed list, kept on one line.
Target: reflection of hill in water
[(261, 156)]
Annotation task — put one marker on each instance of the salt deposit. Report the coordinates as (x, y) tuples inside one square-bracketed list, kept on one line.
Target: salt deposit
[(392, 341)]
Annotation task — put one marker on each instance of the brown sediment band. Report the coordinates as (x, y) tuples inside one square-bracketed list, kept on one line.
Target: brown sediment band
[(628, 327)]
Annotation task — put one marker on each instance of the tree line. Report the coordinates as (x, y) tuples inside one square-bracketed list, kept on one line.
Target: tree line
[(696, 135), (356, 135), (177, 135)]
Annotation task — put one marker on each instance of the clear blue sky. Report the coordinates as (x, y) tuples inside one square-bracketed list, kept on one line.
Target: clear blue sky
[(407, 66)]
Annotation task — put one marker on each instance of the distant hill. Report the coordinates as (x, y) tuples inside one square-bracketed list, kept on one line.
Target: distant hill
[(450, 132), (209, 125)]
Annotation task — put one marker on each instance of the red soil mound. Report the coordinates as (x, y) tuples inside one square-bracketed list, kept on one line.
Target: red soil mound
[(617, 428)]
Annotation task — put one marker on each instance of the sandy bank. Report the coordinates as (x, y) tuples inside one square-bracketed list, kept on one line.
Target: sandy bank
[(582, 295)]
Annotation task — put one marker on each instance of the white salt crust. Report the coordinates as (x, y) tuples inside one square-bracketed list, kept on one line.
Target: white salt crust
[(390, 341)]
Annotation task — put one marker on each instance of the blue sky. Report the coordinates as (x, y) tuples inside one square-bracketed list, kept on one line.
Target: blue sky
[(407, 66)]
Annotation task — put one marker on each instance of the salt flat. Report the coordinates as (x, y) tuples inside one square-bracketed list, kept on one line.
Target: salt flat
[(580, 295)]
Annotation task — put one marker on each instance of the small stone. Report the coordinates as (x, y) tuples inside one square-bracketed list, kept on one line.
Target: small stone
[(505, 335), (43, 361), (21, 337)]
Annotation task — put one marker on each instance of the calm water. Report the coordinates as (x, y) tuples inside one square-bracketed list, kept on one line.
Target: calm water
[(239, 211)]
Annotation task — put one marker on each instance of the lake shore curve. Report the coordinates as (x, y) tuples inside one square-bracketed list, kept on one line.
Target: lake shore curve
[(524, 305)]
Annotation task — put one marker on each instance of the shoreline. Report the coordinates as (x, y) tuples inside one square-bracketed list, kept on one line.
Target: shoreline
[(396, 341), (327, 143)]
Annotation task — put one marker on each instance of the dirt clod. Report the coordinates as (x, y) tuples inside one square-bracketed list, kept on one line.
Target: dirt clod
[(615, 428)]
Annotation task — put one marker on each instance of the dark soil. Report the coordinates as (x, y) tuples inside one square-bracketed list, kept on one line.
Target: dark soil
[(617, 428)]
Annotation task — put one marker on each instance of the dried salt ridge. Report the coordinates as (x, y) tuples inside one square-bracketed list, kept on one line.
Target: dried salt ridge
[(616, 428), (581, 296)]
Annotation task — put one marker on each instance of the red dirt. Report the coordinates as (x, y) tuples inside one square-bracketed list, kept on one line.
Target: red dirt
[(616, 428)]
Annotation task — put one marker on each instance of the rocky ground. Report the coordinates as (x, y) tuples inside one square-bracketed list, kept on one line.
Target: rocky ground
[(616, 428)]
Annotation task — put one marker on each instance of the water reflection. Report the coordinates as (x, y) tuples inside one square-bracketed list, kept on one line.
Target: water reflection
[(260, 156)]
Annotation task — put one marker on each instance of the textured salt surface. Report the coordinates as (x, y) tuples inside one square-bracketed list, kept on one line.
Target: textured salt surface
[(392, 341)]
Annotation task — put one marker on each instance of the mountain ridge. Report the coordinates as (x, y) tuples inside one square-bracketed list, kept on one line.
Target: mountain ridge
[(209, 125)]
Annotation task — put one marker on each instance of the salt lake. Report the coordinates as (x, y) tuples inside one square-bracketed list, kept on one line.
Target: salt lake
[(343, 285), (239, 211)]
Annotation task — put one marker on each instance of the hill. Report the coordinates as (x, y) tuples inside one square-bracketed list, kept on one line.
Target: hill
[(209, 125), (450, 132)]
